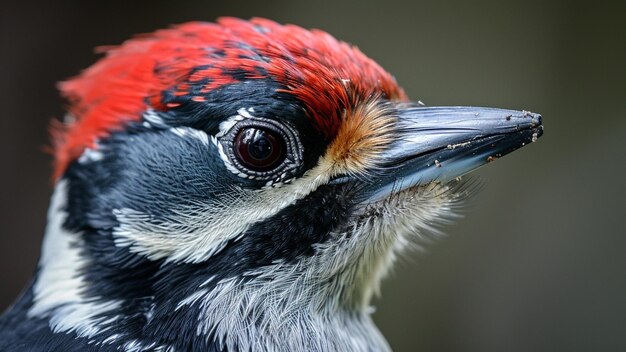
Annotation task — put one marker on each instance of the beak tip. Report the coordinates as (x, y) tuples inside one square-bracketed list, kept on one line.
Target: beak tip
[(536, 120)]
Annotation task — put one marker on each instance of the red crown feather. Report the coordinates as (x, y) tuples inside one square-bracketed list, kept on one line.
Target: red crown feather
[(322, 72)]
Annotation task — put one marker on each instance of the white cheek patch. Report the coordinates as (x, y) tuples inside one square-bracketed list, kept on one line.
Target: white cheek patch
[(58, 289), (195, 233)]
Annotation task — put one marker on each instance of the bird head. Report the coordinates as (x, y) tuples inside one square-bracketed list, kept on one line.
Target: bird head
[(245, 184)]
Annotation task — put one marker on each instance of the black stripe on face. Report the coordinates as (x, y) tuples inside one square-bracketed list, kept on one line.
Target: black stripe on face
[(288, 236), (293, 231)]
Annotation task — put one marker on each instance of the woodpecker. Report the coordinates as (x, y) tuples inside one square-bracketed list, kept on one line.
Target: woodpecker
[(241, 186)]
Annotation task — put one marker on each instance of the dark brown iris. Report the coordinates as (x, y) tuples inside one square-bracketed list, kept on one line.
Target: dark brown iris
[(259, 149)]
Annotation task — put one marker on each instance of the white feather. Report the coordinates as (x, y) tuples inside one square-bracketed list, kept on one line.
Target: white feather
[(322, 302), (58, 289)]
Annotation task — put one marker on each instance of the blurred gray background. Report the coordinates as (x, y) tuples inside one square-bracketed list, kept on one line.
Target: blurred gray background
[(538, 262)]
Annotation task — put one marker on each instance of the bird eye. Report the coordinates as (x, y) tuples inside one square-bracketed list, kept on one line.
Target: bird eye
[(259, 149)]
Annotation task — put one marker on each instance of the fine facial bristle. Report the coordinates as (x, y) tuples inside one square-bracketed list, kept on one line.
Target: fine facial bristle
[(170, 67)]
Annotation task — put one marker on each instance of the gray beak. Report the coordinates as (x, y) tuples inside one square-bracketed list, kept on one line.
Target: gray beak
[(438, 144)]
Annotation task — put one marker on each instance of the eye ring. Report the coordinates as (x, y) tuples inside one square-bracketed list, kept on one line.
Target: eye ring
[(284, 156)]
